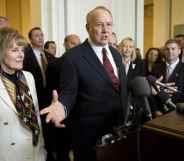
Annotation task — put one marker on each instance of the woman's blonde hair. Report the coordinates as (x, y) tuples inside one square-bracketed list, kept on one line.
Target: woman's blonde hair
[(9, 36), (122, 43)]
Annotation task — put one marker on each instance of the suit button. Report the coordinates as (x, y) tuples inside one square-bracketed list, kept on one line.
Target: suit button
[(5, 123), (12, 143)]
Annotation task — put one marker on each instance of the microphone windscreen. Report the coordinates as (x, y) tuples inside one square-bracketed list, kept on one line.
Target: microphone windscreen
[(140, 87), (180, 107)]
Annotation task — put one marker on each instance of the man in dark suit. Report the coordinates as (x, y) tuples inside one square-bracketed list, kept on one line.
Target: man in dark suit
[(172, 72), (62, 137), (71, 41), (180, 39), (94, 97), (36, 62), (33, 62)]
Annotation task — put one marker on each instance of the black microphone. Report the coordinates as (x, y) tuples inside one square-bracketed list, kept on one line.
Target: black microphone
[(180, 107), (153, 81), (140, 87), (166, 99)]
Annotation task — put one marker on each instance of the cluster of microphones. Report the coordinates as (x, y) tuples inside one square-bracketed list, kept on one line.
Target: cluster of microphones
[(141, 87)]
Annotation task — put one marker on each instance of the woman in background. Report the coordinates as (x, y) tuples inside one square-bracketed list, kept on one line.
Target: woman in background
[(21, 134), (134, 67), (153, 56)]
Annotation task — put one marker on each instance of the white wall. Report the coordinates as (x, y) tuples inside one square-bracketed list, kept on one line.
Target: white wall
[(62, 17)]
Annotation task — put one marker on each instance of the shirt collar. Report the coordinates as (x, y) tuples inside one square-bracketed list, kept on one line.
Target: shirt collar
[(173, 65), (98, 49)]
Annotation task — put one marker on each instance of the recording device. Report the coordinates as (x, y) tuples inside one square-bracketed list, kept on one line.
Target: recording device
[(165, 99), (154, 82), (140, 87)]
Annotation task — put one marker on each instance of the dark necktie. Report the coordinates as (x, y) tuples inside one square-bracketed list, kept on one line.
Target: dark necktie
[(44, 67), (44, 62), (110, 71)]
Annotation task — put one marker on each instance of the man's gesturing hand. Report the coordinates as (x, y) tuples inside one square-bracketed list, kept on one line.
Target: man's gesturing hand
[(55, 112)]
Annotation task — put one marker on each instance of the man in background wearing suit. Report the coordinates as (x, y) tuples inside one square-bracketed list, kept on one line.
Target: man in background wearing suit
[(36, 62), (94, 95), (33, 62), (61, 138), (172, 72), (71, 41)]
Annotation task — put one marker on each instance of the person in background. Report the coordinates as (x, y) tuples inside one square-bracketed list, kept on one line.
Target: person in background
[(138, 53), (152, 57), (170, 72), (133, 66), (61, 138), (50, 50), (4, 22), (93, 88), (36, 62), (71, 41), (21, 136), (113, 40), (180, 39)]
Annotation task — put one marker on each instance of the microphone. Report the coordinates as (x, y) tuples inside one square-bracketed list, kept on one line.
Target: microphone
[(180, 107), (153, 81), (140, 87), (165, 99)]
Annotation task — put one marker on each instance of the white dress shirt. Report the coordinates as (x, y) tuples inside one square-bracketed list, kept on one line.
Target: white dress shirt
[(98, 52), (170, 67)]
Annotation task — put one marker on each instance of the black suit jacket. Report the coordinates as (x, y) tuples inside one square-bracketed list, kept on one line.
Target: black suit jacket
[(88, 94), (31, 65), (137, 68), (177, 76)]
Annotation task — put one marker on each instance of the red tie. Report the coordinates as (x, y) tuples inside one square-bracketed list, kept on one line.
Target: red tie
[(110, 71)]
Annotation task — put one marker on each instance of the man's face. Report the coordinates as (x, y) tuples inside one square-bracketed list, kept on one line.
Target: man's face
[(37, 38), (172, 52), (113, 41), (4, 23), (72, 42), (180, 40), (100, 27)]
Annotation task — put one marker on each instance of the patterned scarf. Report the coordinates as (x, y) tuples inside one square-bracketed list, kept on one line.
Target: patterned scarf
[(23, 101)]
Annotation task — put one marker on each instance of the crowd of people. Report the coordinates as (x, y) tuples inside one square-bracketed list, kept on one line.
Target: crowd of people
[(53, 106)]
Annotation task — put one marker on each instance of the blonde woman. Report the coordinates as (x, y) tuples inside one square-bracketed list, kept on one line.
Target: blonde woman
[(21, 134), (134, 67)]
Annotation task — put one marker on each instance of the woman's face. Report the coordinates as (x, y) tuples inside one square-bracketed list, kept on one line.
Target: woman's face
[(153, 56), (128, 48), (13, 59)]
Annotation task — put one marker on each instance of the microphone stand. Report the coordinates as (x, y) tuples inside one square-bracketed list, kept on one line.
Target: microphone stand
[(139, 113)]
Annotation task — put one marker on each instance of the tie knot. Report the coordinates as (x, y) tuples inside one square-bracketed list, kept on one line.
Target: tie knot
[(104, 51)]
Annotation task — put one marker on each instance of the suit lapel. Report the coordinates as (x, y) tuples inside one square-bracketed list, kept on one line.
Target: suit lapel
[(4, 96), (175, 73), (93, 60)]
